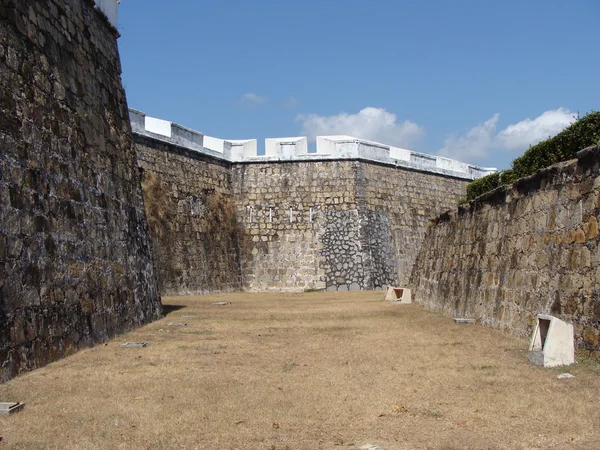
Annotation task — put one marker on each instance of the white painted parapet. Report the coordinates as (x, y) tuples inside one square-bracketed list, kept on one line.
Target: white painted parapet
[(337, 146), (296, 149), (138, 121), (158, 126), (169, 132), (110, 8), (400, 154), (286, 148), (217, 145), (243, 148)]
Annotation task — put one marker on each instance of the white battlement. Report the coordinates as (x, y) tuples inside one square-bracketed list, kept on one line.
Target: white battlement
[(110, 8), (296, 149), (287, 148)]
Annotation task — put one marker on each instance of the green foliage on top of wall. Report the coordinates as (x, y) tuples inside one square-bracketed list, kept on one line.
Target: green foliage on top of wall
[(562, 147), (490, 182)]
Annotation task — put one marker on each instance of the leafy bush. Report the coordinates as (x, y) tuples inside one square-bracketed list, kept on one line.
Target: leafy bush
[(482, 185), (562, 147)]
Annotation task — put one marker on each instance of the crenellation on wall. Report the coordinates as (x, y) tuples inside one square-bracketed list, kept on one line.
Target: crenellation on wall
[(110, 8), (286, 148), (327, 148), (356, 222)]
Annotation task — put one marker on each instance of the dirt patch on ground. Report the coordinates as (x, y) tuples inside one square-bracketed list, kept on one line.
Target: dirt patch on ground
[(304, 371)]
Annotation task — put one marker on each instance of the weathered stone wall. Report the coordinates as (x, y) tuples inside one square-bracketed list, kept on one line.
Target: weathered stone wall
[(75, 259), (302, 254), (398, 204), (519, 251), (367, 222), (192, 219)]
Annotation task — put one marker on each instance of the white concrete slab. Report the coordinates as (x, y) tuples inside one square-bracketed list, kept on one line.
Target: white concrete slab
[(134, 345), (552, 342), (7, 408), (461, 320), (398, 295)]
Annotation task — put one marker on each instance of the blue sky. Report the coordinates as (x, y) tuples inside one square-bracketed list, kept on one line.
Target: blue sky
[(475, 80)]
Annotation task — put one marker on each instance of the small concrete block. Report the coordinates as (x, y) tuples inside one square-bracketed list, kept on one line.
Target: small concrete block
[(398, 295), (7, 408), (565, 376), (134, 345), (222, 303), (177, 324), (189, 317), (465, 321), (552, 342)]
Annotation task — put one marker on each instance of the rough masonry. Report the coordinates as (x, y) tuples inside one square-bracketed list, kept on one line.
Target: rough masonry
[(349, 217), (519, 251), (75, 257), (192, 219)]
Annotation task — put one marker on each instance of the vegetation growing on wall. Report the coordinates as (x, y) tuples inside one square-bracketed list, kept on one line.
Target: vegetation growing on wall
[(562, 147), (160, 213), (196, 236)]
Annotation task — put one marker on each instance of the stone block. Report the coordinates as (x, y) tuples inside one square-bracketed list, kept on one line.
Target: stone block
[(552, 342), (134, 345), (461, 320)]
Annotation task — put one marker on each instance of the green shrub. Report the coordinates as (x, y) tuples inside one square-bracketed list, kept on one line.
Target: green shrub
[(482, 185), (564, 146)]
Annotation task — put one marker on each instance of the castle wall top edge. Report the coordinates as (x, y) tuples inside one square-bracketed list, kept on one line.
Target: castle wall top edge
[(296, 149), (110, 8)]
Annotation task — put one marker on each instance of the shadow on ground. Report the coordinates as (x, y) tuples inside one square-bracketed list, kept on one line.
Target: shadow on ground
[(168, 309)]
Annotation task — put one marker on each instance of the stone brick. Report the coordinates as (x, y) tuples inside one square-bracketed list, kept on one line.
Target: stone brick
[(192, 219), (52, 231), (559, 277)]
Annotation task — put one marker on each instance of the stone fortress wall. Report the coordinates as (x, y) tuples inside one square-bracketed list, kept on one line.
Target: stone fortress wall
[(75, 258), (95, 221), (192, 219), (348, 217), (516, 252)]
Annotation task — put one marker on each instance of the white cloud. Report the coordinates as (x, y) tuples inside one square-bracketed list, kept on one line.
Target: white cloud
[(252, 98), (521, 135), (474, 145), (477, 143), (370, 123)]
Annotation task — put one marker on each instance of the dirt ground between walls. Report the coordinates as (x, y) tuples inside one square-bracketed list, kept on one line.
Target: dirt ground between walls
[(304, 371)]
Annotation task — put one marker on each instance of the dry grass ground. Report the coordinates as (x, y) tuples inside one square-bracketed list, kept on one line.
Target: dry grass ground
[(304, 371)]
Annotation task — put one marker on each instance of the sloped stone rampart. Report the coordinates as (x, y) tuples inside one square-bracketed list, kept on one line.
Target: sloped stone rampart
[(521, 250), (75, 258)]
